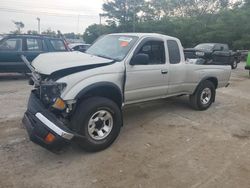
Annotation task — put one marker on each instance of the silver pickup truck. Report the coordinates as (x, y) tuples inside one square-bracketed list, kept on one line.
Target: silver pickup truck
[(78, 97)]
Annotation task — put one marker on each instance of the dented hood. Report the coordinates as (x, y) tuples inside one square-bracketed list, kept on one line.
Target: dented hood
[(49, 63)]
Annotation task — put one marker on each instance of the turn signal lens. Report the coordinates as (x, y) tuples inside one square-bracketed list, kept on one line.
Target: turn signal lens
[(59, 104), (50, 138)]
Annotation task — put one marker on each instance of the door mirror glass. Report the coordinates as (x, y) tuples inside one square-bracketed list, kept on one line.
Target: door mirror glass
[(140, 59)]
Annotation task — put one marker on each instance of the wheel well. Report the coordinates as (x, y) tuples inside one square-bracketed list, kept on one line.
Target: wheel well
[(108, 91), (214, 81), (211, 79)]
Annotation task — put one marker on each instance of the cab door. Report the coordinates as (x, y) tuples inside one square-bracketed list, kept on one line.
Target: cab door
[(32, 48), (150, 80), (221, 55), (10, 52)]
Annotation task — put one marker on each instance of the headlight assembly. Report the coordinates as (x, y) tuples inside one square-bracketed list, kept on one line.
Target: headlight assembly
[(49, 92)]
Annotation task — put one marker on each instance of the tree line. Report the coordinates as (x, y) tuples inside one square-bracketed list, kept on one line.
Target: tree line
[(192, 21)]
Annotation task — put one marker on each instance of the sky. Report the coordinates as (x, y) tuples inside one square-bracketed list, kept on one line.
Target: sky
[(64, 15)]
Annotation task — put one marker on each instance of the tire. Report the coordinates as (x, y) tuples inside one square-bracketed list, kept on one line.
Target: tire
[(204, 96), (99, 120), (234, 64)]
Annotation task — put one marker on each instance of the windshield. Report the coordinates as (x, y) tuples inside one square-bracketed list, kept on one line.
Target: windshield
[(206, 47), (114, 47)]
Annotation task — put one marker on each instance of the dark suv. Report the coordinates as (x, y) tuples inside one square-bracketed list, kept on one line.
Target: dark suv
[(13, 46)]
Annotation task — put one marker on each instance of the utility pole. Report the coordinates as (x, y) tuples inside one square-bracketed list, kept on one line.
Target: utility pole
[(134, 22), (134, 16), (38, 20), (100, 17), (78, 20)]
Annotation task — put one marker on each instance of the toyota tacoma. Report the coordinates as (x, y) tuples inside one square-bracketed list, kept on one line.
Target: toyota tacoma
[(79, 97)]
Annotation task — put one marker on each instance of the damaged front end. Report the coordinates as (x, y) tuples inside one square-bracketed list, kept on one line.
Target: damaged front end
[(46, 118)]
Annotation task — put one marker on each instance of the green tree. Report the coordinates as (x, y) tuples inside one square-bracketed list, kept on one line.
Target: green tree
[(19, 25), (192, 8), (96, 30), (221, 21), (32, 32), (49, 32), (122, 12)]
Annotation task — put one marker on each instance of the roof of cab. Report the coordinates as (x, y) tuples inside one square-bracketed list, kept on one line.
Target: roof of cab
[(140, 35)]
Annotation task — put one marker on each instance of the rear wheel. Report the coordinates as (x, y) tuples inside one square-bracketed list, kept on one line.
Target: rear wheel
[(204, 96), (99, 120)]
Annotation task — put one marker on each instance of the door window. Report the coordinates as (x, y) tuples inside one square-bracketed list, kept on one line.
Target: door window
[(218, 47), (174, 52), (225, 47), (58, 45), (13, 44), (34, 44), (155, 50)]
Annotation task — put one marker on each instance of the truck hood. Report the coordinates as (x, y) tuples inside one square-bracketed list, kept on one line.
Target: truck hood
[(49, 63)]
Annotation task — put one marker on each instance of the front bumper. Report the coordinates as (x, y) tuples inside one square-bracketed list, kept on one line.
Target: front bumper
[(39, 122)]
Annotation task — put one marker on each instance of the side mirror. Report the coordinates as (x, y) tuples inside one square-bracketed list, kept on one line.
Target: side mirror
[(140, 59)]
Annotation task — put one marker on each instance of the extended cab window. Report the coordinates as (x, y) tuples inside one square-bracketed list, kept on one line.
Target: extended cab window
[(13, 44), (34, 44), (58, 45), (174, 52), (155, 50)]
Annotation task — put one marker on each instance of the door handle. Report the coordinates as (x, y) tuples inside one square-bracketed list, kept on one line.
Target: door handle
[(164, 71)]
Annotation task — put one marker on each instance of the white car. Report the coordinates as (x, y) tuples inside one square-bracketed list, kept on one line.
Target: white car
[(78, 97), (82, 47)]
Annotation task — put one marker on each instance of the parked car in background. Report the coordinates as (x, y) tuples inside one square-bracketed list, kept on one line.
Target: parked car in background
[(79, 47), (13, 46), (215, 53)]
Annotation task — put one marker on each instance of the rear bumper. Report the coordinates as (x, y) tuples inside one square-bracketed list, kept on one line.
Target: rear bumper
[(39, 122)]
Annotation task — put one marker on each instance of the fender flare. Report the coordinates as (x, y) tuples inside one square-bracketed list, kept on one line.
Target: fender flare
[(209, 78), (87, 89)]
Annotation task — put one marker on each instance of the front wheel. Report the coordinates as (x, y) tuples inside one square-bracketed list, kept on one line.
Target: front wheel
[(99, 121), (204, 96)]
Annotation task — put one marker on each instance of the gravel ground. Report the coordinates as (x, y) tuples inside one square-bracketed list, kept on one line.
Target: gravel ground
[(162, 144)]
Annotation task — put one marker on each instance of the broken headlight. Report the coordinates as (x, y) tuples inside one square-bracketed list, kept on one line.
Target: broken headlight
[(49, 92)]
